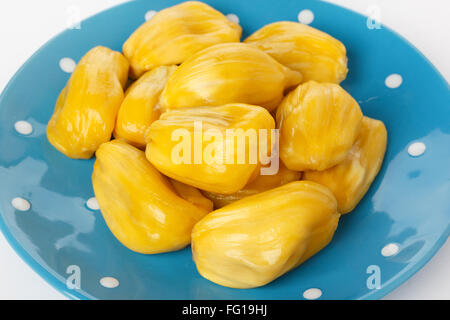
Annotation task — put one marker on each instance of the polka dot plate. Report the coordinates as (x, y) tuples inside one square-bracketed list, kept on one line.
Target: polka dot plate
[(49, 215)]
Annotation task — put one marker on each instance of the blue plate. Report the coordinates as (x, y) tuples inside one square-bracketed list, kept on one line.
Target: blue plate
[(401, 223)]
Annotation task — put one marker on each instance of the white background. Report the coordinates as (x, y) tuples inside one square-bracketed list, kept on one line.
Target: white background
[(25, 25)]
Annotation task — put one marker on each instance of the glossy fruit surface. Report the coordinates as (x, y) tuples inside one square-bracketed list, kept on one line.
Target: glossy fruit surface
[(209, 147), (253, 241), (140, 205), (229, 73), (176, 33), (140, 108), (318, 123), (315, 54), (350, 179), (260, 184), (86, 109)]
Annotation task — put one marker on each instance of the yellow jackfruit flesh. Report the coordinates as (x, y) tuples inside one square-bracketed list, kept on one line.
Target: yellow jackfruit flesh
[(350, 179), (193, 145), (315, 54), (140, 107), (176, 33), (253, 241), (319, 123), (193, 195), (260, 184), (140, 206), (229, 73), (86, 110)]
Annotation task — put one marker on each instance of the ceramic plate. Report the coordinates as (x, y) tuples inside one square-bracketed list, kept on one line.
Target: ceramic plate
[(400, 224)]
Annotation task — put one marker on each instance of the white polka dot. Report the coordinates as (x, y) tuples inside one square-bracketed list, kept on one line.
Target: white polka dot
[(306, 16), (393, 81), (416, 149), (92, 204), (67, 65), (312, 294), (21, 204), (150, 14), (390, 249), (23, 127), (109, 282), (233, 18)]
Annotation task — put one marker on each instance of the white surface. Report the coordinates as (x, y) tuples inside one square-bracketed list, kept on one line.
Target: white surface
[(416, 149), (150, 14), (20, 204), (393, 81), (312, 294), (109, 282), (92, 204), (67, 65), (233, 18), (25, 25), (390, 249), (23, 127), (306, 16)]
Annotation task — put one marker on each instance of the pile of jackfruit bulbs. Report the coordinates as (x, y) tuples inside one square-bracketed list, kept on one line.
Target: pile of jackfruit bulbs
[(185, 66)]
